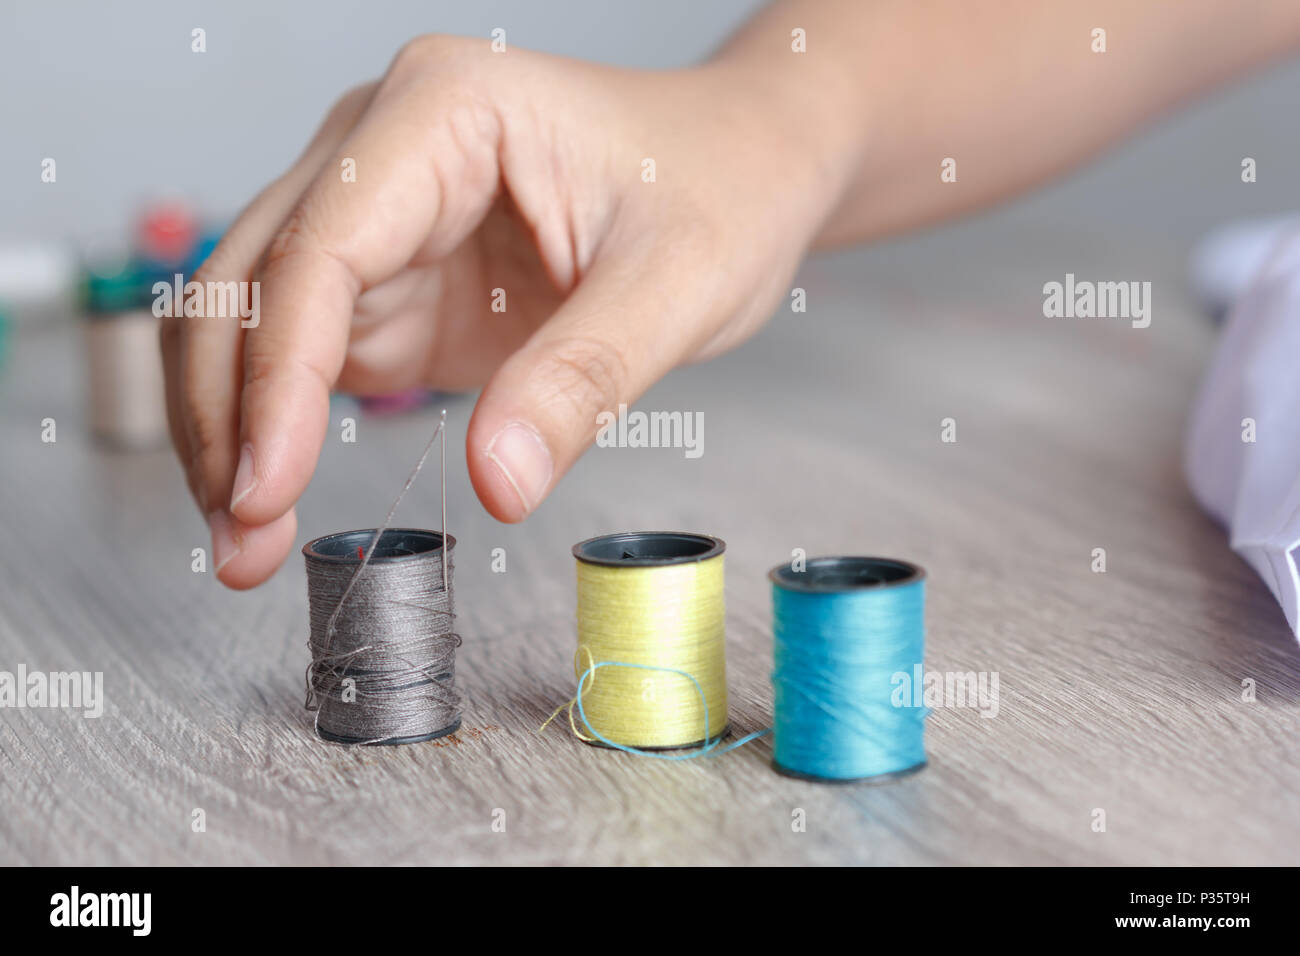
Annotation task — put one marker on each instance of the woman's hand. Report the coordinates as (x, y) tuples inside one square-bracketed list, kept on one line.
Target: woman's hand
[(477, 171)]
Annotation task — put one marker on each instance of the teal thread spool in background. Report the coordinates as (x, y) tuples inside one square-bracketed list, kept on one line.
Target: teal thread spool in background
[(842, 629)]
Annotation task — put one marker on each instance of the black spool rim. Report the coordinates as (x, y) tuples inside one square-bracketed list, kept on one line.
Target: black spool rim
[(648, 549), (874, 779), (658, 748), (391, 741), (396, 544), (839, 574)]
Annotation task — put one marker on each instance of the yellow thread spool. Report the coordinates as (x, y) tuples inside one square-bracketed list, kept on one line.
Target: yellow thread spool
[(653, 599)]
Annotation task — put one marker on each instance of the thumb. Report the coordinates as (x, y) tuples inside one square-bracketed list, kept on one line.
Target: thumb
[(623, 328)]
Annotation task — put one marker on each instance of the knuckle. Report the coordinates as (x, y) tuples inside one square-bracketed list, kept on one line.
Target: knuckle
[(262, 367), (269, 370), (194, 483), (206, 434), (589, 375), (426, 51), (350, 104), (698, 238), (304, 233), (291, 239)]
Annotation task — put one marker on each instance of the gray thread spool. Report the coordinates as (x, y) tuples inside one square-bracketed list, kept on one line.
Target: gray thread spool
[(392, 637)]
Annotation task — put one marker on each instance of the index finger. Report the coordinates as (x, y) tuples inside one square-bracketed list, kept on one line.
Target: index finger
[(416, 185)]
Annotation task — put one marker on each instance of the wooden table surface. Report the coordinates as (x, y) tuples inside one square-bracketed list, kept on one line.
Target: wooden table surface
[(1120, 691)]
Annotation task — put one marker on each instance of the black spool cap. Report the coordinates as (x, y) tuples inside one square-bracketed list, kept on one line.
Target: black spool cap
[(841, 573), (391, 741), (648, 549), (395, 544), (873, 781)]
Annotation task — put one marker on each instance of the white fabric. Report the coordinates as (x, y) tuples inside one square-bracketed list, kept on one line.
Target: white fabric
[(1223, 264), (1253, 488)]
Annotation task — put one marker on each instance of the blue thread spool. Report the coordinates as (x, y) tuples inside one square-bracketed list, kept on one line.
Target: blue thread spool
[(842, 629)]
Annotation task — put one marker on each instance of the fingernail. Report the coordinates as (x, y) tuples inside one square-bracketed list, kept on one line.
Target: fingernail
[(225, 545), (524, 460), (245, 480)]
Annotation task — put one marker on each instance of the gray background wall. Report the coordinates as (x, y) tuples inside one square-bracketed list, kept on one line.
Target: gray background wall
[(113, 93)]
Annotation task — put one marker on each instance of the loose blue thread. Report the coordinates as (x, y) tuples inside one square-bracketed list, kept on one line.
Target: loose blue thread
[(709, 748)]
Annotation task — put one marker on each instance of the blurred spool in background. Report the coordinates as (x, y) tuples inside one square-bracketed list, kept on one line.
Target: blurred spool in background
[(126, 395), (124, 373), (651, 611), (125, 392), (46, 283), (111, 282)]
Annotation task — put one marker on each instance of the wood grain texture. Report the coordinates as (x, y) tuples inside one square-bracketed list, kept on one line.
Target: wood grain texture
[(1119, 691)]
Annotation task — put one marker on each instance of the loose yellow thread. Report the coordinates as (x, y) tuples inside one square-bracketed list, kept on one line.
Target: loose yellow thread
[(670, 616), (572, 701)]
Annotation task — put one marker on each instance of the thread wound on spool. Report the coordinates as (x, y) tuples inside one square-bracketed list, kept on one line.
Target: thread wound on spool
[(651, 660), (843, 628), (384, 672)]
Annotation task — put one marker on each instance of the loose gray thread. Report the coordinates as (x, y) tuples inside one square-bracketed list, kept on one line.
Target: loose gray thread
[(382, 642)]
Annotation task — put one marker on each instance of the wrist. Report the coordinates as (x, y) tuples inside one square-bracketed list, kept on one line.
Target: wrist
[(809, 116)]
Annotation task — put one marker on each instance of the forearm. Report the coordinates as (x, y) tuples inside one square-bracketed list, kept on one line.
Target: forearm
[(1011, 91)]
